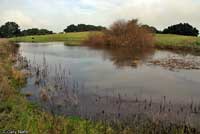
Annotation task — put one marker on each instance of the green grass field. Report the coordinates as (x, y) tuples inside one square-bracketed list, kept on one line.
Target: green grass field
[(176, 40), (77, 38), (69, 38)]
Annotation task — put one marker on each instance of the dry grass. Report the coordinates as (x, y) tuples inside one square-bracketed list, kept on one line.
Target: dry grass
[(5, 72), (2, 47), (95, 39), (18, 75)]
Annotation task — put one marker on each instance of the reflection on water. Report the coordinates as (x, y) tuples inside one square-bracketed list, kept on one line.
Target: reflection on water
[(115, 81), (123, 57)]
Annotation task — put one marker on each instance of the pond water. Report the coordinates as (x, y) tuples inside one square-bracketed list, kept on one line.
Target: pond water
[(111, 75)]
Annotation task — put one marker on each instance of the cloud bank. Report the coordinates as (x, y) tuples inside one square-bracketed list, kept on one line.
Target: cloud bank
[(57, 14)]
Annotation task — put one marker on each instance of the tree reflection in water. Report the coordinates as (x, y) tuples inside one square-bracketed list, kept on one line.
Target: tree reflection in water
[(126, 56)]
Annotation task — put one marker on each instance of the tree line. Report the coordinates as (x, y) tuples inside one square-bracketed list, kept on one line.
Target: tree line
[(12, 29), (83, 27), (179, 29)]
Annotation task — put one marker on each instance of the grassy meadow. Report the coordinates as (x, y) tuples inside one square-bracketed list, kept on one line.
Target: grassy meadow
[(69, 38), (161, 40), (176, 40), (178, 43)]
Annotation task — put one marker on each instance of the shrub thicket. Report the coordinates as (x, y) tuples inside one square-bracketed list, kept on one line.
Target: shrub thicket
[(123, 33)]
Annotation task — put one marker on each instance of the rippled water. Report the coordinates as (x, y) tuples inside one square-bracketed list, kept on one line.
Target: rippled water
[(112, 74)]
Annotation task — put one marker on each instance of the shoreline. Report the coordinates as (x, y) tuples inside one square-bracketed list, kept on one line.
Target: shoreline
[(16, 112)]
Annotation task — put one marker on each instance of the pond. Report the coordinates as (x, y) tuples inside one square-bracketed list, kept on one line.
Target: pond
[(111, 81)]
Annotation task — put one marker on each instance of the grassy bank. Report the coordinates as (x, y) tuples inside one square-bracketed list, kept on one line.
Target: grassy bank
[(178, 43), (16, 113), (176, 40)]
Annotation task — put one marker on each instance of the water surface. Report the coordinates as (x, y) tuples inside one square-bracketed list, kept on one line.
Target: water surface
[(113, 74)]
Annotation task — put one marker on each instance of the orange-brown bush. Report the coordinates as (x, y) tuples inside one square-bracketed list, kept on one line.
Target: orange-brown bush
[(123, 33), (95, 39)]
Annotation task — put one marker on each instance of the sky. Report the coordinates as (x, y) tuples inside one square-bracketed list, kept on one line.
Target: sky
[(58, 14)]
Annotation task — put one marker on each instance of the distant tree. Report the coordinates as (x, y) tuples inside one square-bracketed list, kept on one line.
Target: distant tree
[(151, 28), (9, 29), (35, 31), (71, 28), (83, 27), (181, 29), (45, 31)]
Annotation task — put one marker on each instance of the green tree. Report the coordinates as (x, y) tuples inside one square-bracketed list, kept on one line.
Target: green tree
[(150, 28), (83, 27), (71, 28), (182, 29), (9, 29), (36, 31)]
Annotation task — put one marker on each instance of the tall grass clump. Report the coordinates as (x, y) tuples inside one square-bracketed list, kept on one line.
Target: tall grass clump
[(123, 34)]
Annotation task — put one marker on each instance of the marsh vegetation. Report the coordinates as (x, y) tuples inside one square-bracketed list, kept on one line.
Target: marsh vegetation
[(67, 86)]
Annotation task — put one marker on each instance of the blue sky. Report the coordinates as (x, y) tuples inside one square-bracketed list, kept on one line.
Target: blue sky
[(57, 14)]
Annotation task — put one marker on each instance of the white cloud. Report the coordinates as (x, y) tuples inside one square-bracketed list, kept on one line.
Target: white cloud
[(57, 14), (21, 19)]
